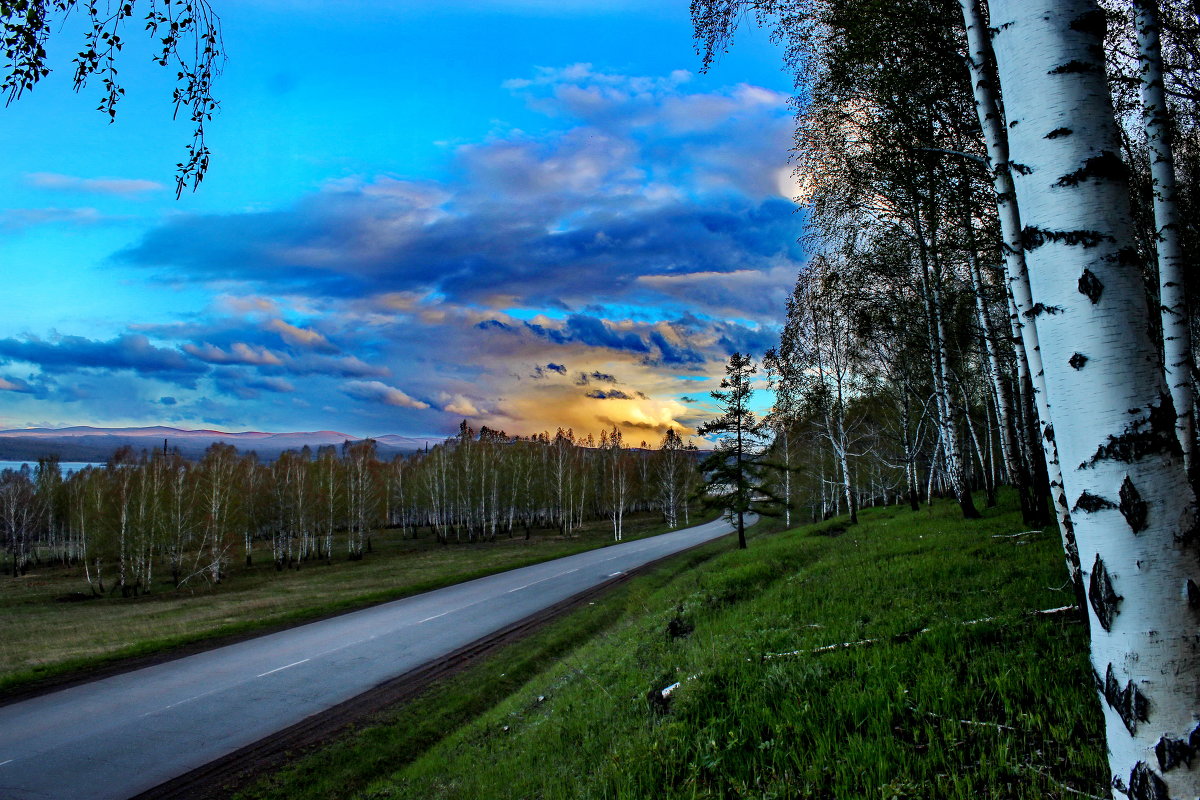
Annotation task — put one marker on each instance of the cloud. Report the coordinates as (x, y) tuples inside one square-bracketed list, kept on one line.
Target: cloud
[(16, 218), (646, 236), (379, 392), (300, 337), (541, 372), (238, 353), (15, 385), (584, 378), (461, 406), (611, 394), (651, 182), (126, 352), (112, 186)]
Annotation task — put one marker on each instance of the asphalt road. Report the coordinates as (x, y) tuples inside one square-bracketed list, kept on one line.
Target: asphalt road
[(114, 738)]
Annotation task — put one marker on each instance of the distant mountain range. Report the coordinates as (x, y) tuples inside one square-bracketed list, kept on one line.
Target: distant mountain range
[(83, 443)]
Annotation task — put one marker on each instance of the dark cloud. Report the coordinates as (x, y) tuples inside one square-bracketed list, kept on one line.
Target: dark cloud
[(482, 256), (627, 423), (610, 394), (541, 372), (603, 377), (167, 400), (126, 352)]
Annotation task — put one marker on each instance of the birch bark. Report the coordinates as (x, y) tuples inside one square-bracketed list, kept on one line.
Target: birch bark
[(1177, 340), (1029, 355), (1133, 506)]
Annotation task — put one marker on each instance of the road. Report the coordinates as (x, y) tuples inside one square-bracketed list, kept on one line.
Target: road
[(114, 738)]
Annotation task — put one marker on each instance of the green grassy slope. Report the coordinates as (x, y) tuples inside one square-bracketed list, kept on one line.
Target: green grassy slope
[(990, 701)]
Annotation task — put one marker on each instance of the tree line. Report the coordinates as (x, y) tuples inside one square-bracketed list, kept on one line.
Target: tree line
[(1002, 211), (151, 517)]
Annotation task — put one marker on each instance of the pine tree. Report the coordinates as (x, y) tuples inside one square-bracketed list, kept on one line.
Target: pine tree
[(733, 472)]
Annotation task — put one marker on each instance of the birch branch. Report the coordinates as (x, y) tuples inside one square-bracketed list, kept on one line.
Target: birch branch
[(905, 636)]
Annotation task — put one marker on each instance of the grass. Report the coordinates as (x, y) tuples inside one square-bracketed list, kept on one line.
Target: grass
[(989, 702), (44, 636)]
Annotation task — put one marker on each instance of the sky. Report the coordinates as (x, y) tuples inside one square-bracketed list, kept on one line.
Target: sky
[(523, 213)]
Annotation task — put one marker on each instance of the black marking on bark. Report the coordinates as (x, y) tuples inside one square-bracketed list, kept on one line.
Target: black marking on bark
[(1048, 433), (1072, 67), (1106, 166), (1129, 257), (1032, 237), (1093, 23), (1193, 594), (1104, 599), (1014, 123), (1039, 309), (1119, 785), (1078, 360), (1145, 785), (1020, 169), (1091, 503), (1133, 507), (1130, 704), (1173, 752), (1090, 286), (1057, 132), (1152, 434)]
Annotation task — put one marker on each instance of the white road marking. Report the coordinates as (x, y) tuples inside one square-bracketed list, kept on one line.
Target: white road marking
[(543, 580), (285, 666), (2, 763), (180, 702), (435, 616)]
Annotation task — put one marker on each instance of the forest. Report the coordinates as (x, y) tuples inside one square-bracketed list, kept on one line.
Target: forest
[(153, 519)]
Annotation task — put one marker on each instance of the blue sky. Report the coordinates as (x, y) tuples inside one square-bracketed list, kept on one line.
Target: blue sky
[(522, 212)]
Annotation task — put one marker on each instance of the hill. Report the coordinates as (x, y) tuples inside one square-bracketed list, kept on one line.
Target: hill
[(84, 443)]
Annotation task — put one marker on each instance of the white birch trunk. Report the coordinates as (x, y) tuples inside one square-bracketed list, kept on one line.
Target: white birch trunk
[(1029, 355), (1177, 339), (1133, 507)]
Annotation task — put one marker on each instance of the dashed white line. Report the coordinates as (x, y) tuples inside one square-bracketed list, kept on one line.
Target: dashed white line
[(285, 666), (2, 763), (543, 580), (435, 616)]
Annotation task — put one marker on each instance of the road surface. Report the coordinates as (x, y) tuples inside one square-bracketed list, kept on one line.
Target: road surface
[(114, 738)]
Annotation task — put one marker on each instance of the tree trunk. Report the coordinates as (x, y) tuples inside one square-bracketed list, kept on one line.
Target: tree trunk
[(1115, 429), (1177, 340), (1029, 355)]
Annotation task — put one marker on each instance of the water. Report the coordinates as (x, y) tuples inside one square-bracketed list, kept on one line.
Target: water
[(65, 466)]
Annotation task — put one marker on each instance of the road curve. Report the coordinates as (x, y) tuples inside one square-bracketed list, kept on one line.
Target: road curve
[(117, 737)]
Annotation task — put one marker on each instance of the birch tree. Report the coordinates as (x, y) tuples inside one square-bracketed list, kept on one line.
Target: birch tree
[(1113, 417)]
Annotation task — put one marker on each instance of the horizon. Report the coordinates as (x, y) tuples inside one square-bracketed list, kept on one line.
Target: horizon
[(569, 226)]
